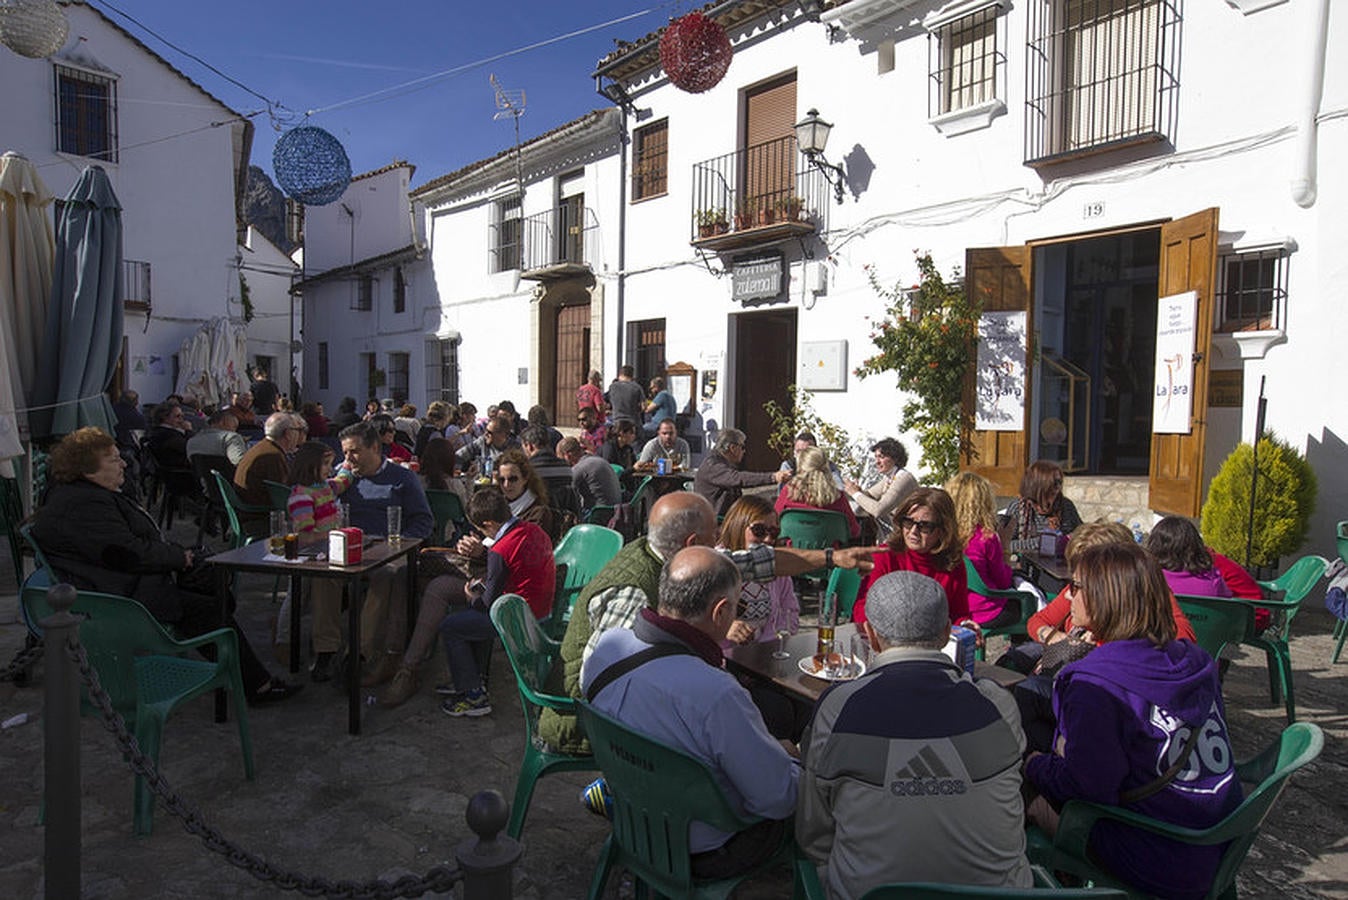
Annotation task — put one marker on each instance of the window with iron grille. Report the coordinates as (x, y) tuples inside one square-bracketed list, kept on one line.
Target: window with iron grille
[(1252, 289), (509, 229), (964, 61), (646, 349), (322, 365), (363, 299), (399, 290), (86, 114), (1100, 74), (398, 364), (442, 369), (650, 160)]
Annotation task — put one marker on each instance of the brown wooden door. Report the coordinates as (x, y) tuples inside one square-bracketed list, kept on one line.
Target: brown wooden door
[(573, 360), (770, 155), (765, 363), (1188, 263), (1000, 277)]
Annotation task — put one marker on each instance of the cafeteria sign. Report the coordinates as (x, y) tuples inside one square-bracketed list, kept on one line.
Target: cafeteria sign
[(756, 279)]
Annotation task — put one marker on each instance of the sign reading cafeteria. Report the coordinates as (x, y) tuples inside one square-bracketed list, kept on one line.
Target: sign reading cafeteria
[(756, 279), (1173, 398)]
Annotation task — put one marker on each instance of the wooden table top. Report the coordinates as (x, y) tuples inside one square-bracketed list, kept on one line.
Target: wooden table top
[(253, 558)]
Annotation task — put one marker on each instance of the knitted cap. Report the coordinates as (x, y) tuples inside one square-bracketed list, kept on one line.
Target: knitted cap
[(907, 608)]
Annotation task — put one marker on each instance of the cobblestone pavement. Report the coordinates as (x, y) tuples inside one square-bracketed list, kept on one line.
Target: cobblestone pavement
[(391, 801)]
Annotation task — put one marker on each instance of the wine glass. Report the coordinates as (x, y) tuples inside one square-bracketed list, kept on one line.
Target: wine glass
[(780, 652)]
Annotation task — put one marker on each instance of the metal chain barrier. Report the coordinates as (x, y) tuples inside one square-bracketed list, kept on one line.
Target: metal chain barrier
[(21, 662), (439, 879)]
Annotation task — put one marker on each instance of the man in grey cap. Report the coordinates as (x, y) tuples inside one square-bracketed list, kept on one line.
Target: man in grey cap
[(912, 771)]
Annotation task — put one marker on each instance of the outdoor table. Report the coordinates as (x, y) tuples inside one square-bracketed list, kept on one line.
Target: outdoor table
[(756, 661), (377, 553), (1037, 566)]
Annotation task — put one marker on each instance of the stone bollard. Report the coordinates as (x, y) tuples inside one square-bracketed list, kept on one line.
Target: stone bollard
[(488, 860), (61, 747)]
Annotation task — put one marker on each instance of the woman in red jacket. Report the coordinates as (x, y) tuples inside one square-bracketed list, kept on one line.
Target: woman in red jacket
[(925, 540)]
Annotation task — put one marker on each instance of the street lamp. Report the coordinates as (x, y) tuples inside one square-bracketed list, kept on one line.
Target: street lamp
[(811, 137)]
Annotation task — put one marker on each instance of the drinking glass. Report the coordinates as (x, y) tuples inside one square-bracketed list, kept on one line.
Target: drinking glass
[(395, 525), (780, 652), (345, 515), (276, 540), (861, 653)]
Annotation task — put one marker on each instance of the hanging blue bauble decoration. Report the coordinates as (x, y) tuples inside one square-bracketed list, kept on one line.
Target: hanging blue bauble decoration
[(311, 166)]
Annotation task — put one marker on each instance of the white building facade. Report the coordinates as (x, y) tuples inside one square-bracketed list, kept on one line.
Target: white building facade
[(1079, 161), (176, 157)]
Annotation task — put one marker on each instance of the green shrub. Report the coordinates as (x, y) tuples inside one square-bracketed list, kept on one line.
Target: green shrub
[(1284, 501), (787, 423)]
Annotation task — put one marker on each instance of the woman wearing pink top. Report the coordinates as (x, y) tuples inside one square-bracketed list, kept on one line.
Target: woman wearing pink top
[(976, 514)]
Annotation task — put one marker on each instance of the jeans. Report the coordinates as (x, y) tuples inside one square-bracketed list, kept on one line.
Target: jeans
[(461, 630)]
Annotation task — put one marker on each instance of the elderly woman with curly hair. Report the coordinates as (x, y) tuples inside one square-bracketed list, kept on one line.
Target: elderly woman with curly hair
[(99, 539), (812, 487)]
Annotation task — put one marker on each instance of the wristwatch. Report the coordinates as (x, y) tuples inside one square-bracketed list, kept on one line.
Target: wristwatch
[(828, 557)]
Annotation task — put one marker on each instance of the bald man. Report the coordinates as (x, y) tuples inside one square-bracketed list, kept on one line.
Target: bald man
[(630, 583)]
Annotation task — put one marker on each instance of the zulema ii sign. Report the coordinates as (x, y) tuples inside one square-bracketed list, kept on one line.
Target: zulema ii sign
[(756, 279)]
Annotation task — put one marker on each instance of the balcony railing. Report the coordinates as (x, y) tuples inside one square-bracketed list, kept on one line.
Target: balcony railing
[(756, 194), (559, 241), (135, 284)]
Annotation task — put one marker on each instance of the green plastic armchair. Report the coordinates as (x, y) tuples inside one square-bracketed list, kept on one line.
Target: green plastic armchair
[(1218, 621), (657, 792), (147, 674), (233, 506), (1341, 626), (638, 504), (1294, 585), (1299, 744), (1028, 603), (278, 494), (814, 529), (846, 584), (532, 655), (448, 510), (582, 553)]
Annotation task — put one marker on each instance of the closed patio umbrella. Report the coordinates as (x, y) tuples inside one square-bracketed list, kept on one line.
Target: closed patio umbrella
[(26, 251), (83, 338)]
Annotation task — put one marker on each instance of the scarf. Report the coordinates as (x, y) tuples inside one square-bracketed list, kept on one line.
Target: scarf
[(654, 628)]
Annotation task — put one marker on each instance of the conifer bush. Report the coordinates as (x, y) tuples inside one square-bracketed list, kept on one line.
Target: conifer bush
[(1283, 503)]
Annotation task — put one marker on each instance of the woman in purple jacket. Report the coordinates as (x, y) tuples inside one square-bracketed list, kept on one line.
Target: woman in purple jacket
[(1188, 566), (1140, 725)]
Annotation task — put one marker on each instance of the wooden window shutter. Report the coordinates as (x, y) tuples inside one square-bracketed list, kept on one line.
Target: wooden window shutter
[(769, 168), (1188, 263), (770, 111), (1000, 277)]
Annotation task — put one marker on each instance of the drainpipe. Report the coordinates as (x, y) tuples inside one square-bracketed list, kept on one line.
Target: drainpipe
[(1303, 181), (622, 235)]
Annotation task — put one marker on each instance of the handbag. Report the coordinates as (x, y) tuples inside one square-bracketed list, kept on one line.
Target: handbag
[(1060, 653)]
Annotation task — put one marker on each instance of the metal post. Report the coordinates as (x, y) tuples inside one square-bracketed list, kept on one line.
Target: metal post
[(1261, 410), (61, 747), (487, 860)]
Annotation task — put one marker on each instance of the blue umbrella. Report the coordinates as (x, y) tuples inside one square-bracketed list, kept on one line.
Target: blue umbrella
[(83, 339)]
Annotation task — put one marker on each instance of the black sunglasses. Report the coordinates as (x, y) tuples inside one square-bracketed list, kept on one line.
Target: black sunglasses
[(908, 522), (764, 532)]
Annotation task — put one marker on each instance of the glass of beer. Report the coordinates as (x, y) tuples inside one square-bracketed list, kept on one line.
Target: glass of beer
[(276, 540)]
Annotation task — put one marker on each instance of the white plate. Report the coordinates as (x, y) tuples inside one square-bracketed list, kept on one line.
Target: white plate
[(854, 669)]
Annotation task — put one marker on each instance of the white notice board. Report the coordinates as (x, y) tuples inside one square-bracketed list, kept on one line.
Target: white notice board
[(1172, 402), (823, 365), (1000, 405)]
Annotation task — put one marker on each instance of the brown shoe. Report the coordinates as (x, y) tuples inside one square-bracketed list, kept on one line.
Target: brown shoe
[(382, 669), (400, 689)]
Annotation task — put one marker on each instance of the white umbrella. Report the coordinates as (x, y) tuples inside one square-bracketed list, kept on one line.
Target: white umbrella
[(27, 247), (194, 360)]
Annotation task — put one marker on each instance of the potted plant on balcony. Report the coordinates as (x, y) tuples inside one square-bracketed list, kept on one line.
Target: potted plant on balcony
[(711, 221), (766, 212), (790, 209)]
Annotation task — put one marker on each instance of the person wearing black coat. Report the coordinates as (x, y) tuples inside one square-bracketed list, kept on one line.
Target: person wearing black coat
[(97, 538)]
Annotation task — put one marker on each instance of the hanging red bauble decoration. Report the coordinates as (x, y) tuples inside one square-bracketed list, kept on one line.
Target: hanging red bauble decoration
[(695, 53)]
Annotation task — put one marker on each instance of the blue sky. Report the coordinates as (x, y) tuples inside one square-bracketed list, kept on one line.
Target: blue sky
[(313, 54)]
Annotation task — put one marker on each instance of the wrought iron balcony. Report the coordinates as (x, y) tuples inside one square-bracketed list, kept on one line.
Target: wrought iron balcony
[(757, 195), (559, 243), (135, 284)]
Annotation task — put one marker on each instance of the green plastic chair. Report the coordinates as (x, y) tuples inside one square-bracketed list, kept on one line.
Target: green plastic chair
[(582, 553), (148, 674), (1029, 605), (814, 529), (846, 583), (278, 494), (638, 504), (1294, 585), (233, 506), (657, 792), (1341, 626), (618, 470), (448, 510), (1299, 744), (532, 655), (599, 515), (1218, 621)]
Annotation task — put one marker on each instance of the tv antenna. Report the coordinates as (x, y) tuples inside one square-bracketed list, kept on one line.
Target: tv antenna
[(510, 105)]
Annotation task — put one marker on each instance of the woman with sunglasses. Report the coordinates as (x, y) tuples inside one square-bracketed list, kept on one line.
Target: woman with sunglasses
[(1141, 725), (1040, 507), (812, 487), (925, 540), (765, 608)]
